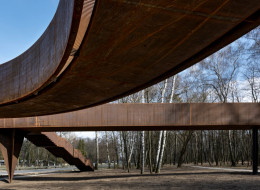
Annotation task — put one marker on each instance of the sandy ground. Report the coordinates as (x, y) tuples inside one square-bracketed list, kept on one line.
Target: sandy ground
[(170, 178)]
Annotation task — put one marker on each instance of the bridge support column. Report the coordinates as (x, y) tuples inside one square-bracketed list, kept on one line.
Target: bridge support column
[(11, 141), (255, 151)]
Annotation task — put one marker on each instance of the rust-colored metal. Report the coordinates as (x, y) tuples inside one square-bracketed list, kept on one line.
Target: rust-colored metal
[(11, 141), (60, 147), (37, 69), (177, 116), (183, 116), (128, 46), (38, 66)]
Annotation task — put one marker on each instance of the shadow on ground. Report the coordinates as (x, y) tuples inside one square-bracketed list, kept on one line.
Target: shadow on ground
[(170, 178), (44, 178)]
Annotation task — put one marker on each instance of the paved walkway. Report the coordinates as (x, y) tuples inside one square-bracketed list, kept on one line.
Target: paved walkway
[(34, 172), (226, 169)]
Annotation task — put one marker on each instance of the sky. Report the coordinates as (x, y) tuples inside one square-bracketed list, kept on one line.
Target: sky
[(82, 134), (22, 22)]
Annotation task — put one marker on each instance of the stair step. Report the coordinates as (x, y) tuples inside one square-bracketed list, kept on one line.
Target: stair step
[(60, 147)]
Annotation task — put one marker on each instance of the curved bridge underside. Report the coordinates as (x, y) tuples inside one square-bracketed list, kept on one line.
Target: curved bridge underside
[(97, 51)]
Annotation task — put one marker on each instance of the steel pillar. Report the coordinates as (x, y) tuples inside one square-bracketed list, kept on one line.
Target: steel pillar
[(11, 141), (255, 151)]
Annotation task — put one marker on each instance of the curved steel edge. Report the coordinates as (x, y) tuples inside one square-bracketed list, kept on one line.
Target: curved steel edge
[(43, 62), (101, 70)]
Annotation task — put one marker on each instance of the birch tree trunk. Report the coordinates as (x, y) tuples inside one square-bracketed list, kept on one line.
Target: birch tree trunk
[(173, 88), (108, 157), (116, 149), (131, 152), (122, 150), (142, 141), (125, 140), (163, 134), (158, 168), (159, 149), (150, 152), (97, 152)]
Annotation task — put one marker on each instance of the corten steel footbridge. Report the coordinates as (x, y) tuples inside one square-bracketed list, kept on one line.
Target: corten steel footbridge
[(96, 51)]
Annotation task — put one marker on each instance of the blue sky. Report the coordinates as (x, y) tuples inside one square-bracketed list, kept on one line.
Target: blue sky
[(22, 22)]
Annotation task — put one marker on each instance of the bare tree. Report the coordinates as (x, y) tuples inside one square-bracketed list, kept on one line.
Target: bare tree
[(142, 140), (108, 156), (97, 152), (116, 149), (162, 134), (221, 70), (159, 164)]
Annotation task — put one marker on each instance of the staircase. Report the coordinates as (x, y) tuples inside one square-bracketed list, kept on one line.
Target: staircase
[(61, 148)]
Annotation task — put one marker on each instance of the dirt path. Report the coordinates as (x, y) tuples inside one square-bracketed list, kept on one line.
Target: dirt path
[(170, 178)]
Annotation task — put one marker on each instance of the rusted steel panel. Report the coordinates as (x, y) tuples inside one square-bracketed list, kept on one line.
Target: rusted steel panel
[(183, 116), (60, 147), (226, 114), (34, 71), (128, 46), (30, 71), (11, 141)]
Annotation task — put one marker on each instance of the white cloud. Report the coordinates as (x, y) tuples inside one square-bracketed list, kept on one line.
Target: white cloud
[(84, 134)]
